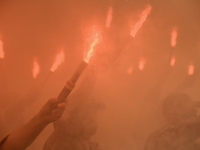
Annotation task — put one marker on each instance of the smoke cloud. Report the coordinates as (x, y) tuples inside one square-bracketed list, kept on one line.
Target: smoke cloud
[(111, 108)]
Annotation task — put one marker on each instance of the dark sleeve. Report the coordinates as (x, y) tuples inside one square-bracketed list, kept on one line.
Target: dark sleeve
[(2, 141)]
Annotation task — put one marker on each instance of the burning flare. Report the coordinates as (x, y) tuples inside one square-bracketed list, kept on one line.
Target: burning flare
[(174, 35), (95, 40), (109, 17), (2, 54), (70, 84), (139, 24), (60, 58), (36, 68), (173, 61), (191, 70)]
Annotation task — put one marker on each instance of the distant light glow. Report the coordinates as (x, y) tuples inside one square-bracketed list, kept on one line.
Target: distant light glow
[(142, 63), (2, 53), (139, 24), (174, 35), (109, 17), (95, 39), (130, 70), (60, 58), (36, 68), (191, 70), (173, 61)]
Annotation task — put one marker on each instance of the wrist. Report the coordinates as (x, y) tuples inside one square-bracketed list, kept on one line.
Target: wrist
[(40, 121)]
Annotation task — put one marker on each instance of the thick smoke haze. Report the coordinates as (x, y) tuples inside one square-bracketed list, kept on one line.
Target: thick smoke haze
[(123, 102)]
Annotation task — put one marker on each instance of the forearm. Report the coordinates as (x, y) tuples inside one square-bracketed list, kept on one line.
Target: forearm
[(21, 138)]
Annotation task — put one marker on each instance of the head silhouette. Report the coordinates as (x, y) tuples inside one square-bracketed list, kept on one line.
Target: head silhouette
[(178, 109)]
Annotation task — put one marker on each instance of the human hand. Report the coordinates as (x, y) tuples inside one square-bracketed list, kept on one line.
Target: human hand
[(51, 111)]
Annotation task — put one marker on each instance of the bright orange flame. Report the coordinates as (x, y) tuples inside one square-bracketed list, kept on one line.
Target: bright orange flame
[(141, 64), (129, 70), (109, 17), (2, 53), (36, 68), (95, 41), (173, 61), (139, 24), (60, 58), (191, 70), (174, 35)]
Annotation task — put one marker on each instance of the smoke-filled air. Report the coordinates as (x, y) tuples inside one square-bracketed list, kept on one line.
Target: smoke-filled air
[(130, 67)]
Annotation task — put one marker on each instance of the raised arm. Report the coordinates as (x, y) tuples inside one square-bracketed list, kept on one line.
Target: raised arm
[(22, 137)]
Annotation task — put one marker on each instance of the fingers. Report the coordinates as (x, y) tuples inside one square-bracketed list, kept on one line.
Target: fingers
[(57, 113), (52, 110), (53, 103), (59, 108), (55, 106), (62, 105)]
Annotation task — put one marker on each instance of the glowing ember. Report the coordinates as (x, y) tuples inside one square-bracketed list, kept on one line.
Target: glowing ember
[(2, 54), (191, 70), (173, 61), (109, 17), (174, 35), (129, 70), (36, 68), (139, 24), (95, 40), (60, 58), (141, 64)]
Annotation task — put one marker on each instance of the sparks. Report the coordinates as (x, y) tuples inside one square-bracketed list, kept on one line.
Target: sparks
[(174, 35), (109, 17), (173, 61), (36, 68), (60, 58), (2, 53), (191, 70), (96, 39), (139, 24)]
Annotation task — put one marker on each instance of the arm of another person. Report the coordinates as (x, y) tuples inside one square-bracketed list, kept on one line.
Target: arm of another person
[(24, 136)]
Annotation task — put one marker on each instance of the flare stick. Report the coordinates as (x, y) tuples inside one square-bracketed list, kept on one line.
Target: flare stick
[(70, 84)]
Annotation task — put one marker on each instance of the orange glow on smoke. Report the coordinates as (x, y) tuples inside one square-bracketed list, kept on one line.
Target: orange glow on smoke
[(95, 40), (141, 64), (36, 68), (173, 61), (2, 54), (174, 35), (139, 24), (60, 58), (109, 17), (191, 70)]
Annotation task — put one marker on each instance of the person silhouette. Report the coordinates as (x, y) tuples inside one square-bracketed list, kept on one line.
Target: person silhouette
[(183, 128)]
